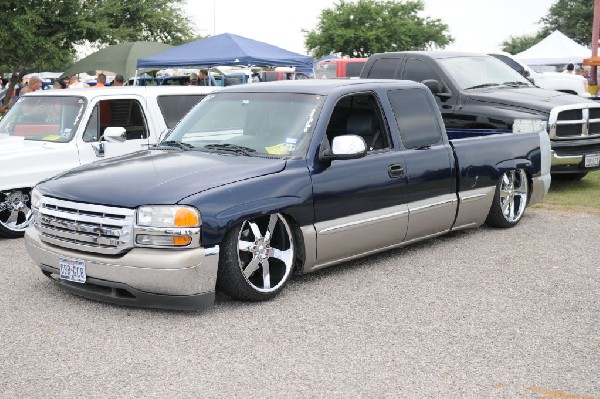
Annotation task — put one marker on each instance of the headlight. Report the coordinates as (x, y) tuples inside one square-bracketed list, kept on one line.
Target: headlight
[(167, 226), (36, 198), (529, 126), (168, 216)]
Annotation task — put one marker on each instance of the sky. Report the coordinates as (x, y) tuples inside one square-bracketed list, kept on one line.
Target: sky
[(476, 25)]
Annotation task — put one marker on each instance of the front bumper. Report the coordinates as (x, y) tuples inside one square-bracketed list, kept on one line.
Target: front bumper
[(168, 279), (570, 157)]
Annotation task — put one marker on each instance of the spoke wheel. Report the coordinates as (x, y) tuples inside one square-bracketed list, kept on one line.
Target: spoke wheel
[(510, 199), (257, 258), (15, 212)]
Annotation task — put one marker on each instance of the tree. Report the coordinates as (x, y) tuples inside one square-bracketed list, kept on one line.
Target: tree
[(517, 44), (365, 27), (574, 18), (42, 34)]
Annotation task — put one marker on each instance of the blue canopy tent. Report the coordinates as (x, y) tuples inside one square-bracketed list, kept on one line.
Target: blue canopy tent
[(225, 49)]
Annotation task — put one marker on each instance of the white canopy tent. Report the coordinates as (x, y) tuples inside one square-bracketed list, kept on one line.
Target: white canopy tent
[(555, 49)]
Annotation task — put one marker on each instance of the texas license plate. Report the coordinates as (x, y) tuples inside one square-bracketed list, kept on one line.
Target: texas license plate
[(72, 270), (592, 160)]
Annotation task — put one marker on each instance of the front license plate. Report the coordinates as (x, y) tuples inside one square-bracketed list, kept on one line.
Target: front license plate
[(72, 270), (592, 160)]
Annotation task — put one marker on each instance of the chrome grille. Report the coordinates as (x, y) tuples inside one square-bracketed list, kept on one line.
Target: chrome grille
[(575, 121), (84, 227)]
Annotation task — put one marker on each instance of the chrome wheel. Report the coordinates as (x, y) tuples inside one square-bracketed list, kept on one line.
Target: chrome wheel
[(257, 257), (510, 199), (266, 252), (514, 191), (15, 212)]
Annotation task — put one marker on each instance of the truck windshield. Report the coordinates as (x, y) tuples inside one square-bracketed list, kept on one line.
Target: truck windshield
[(44, 118), (256, 124), (479, 72)]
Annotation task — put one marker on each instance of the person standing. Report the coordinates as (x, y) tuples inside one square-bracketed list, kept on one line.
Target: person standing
[(74, 83), (118, 81), (35, 84), (570, 69), (193, 79), (203, 78), (100, 80)]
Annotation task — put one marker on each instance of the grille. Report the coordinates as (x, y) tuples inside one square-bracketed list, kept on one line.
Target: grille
[(575, 121), (85, 227)]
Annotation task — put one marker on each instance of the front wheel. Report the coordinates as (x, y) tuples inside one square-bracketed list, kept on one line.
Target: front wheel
[(510, 199), (257, 258), (15, 212)]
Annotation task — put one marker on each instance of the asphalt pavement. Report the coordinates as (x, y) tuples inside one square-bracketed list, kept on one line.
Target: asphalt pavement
[(483, 313)]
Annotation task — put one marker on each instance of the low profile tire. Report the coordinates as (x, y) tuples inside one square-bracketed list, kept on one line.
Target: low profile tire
[(15, 212), (510, 199), (257, 258)]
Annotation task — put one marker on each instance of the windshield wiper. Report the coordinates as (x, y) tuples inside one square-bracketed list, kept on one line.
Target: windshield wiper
[(238, 149), (482, 86), (516, 84), (173, 143)]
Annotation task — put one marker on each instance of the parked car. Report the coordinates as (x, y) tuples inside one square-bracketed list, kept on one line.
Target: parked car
[(271, 76), (262, 181), (50, 131), (339, 68)]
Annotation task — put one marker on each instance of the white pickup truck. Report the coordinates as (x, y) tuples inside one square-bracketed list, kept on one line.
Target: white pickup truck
[(49, 132), (563, 82)]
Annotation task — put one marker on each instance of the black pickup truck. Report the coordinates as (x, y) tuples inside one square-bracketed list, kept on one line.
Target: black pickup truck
[(478, 93), (260, 181)]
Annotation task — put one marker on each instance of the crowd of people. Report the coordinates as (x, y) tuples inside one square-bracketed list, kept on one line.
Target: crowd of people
[(35, 83)]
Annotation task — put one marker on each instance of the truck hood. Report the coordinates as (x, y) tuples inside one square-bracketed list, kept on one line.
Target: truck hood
[(155, 177), (530, 98), (23, 163), (14, 146)]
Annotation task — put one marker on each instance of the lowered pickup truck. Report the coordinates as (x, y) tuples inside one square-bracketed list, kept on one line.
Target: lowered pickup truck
[(479, 93), (259, 182), (51, 131)]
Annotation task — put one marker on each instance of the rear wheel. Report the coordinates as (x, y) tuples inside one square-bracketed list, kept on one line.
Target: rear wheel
[(15, 212), (257, 258), (510, 199)]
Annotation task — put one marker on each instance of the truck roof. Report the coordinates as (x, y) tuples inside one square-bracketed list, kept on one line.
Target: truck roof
[(435, 54), (126, 90), (319, 86)]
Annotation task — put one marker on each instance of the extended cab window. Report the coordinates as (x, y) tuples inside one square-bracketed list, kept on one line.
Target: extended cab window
[(384, 68), (126, 113), (174, 108), (359, 114), (419, 71), (416, 118)]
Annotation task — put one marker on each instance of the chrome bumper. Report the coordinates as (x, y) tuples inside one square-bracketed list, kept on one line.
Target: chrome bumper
[(141, 277), (573, 160)]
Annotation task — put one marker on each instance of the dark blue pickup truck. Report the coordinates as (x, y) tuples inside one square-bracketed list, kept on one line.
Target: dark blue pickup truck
[(259, 182)]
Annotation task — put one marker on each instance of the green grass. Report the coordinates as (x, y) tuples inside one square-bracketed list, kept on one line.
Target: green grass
[(582, 195)]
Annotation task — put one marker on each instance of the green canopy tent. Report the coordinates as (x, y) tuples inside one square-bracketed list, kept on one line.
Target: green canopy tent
[(120, 59)]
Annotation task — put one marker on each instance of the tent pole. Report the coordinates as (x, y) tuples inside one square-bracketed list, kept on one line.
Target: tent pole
[(595, 32)]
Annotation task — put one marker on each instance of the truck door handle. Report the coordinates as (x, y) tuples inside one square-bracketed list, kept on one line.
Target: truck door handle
[(396, 170)]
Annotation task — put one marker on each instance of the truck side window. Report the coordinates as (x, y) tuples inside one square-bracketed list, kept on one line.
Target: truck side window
[(175, 107), (359, 114), (384, 68), (128, 114), (419, 71), (416, 118)]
